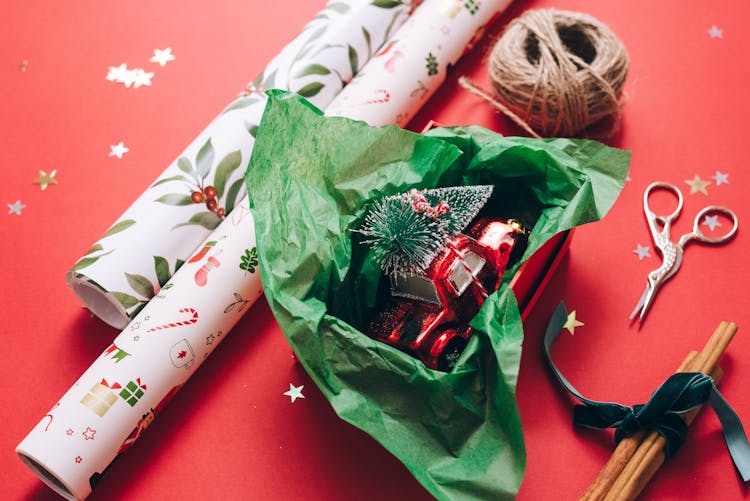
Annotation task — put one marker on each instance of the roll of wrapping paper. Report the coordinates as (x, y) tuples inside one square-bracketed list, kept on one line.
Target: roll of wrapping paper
[(400, 78), (126, 387), (127, 266), (116, 399)]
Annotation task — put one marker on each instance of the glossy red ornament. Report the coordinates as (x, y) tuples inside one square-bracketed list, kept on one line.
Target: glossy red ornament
[(428, 314)]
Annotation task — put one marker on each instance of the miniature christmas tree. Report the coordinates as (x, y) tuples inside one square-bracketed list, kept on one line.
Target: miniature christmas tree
[(407, 231)]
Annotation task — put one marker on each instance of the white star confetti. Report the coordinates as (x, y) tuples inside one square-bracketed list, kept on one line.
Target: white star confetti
[(294, 392), (720, 178), (162, 56), (117, 73), (16, 208), (571, 323), (142, 78), (118, 150), (711, 221), (642, 251), (715, 32), (134, 77)]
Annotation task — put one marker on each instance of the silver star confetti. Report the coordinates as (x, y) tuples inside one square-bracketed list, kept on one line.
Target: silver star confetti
[(720, 178), (711, 221), (16, 208), (294, 392), (642, 251), (715, 32)]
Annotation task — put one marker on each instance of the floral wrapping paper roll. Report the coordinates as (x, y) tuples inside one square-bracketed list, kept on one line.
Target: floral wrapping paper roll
[(400, 78), (116, 399), (126, 267)]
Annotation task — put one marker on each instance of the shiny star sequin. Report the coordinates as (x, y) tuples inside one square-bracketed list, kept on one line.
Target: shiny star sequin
[(118, 150), (711, 221), (715, 32), (162, 56), (720, 178), (69, 432), (88, 433), (23, 66), (571, 323), (697, 185), (45, 179), (642, 251), (16, 208), (294, 392)]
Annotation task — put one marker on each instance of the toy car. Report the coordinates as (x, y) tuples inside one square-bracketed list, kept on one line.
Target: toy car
[(427, 315)]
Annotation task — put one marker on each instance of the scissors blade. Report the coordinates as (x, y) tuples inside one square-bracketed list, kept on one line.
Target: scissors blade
[(644, 303)]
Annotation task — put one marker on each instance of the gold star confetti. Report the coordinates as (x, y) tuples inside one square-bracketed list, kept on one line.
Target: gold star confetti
[(697, 184), (45, 179), (571, 323), (23, 66)]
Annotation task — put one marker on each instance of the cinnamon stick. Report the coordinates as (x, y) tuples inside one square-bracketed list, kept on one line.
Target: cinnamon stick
[(637, 456), (631, 482)]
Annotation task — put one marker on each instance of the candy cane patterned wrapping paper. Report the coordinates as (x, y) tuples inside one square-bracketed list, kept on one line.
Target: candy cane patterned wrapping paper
[(122, 271), (395, 83), (121, 393), (114, 401)]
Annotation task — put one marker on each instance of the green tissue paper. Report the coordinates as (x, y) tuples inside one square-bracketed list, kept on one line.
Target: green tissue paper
[(310, 179)]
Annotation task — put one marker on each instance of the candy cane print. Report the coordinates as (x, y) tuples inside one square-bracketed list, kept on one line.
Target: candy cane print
[(385, 97), (178, 324)]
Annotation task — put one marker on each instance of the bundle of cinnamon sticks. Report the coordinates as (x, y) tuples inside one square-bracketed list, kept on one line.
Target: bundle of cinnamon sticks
[(638, 457)]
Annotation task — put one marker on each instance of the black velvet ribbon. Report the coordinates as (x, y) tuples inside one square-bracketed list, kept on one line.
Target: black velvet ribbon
[(663, 412)]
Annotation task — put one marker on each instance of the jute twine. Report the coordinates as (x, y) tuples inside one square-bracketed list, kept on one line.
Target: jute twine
[(557, 73)]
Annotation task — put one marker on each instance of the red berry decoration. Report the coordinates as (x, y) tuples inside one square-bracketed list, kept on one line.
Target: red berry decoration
[(210, 191), (197, 197), (221, 211), (212, 204)]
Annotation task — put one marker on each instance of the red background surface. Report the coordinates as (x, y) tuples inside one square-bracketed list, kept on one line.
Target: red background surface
[(230, 432)]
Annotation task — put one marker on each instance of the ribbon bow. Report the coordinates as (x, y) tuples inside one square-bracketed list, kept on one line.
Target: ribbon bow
[(663, 412)]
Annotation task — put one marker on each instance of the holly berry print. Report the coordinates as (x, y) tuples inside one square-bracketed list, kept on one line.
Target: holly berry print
[(199, 189), (195, 187)]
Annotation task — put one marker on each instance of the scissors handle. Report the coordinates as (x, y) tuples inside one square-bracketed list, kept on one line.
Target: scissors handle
[(650, 214), (698, 235)]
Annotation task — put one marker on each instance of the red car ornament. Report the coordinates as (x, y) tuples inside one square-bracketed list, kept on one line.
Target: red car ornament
[(427, 314)]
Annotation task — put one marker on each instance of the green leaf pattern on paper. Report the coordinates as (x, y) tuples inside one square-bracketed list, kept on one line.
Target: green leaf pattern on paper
[(204, 183), (143, 288), (308, 70), (249, 261)]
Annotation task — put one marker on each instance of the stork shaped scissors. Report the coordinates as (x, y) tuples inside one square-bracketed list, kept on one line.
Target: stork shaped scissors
[(670, 251)]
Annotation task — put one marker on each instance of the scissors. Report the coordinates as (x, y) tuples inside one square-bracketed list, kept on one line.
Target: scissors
[(671, 252)]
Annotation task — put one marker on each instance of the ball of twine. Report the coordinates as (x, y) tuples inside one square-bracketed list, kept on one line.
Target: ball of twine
[(558, 73)]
